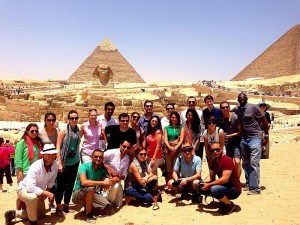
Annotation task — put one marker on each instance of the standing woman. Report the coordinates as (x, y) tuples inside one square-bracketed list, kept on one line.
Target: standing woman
[(49, 133), (5, 150), (173, 139), (27, 151), (211, 135), (192, 129), (134, 124), (68, 141), (153, 143), (91, 131)]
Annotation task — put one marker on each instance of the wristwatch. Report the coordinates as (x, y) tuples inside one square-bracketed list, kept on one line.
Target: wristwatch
[(187, 179)]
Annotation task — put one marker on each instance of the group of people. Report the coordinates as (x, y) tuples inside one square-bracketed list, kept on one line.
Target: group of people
[(52, 163)]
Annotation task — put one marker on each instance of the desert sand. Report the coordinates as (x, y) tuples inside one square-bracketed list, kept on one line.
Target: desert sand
[(278, 203)]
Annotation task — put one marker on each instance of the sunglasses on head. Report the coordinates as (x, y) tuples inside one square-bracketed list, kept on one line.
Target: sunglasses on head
[(73, 118), (124, 121), (142, 154), (192, 102), (34, 131), (215, 150), (98, 157), (49, 120), (224, 107)]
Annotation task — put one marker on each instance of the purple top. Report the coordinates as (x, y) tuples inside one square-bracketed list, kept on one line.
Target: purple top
[(91, 138)]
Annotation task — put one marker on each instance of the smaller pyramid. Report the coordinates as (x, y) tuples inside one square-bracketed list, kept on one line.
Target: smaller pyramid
[(282, 58), (105, 66)]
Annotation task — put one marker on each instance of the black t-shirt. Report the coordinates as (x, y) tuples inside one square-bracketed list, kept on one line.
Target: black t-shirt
[(115, 136)]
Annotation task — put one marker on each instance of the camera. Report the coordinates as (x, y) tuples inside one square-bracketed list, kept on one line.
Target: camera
[(176, 183), (7, 141), (71, 154), (199, 186)]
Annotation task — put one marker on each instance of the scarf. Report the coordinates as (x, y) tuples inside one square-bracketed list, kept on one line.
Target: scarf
[(66, 141), (30, 143), (142, 167), (188, 130)]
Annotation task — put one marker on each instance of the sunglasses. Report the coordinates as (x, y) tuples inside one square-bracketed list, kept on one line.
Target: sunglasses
[(51, 121), (186, 150), (142, 154), (124, 121), (192, 102), (210, 123), (135, 117), (73, 118), (242, 97), (98, 157), (170, 108), (34, 131), (125, 147), (148, 106), (215, 150), (224, 107)]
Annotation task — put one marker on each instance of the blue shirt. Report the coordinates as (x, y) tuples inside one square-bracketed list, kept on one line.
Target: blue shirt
[(188, 170)]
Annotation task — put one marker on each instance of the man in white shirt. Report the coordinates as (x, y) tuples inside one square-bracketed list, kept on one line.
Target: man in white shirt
[(118, 160), (35, 187), (105, 120)]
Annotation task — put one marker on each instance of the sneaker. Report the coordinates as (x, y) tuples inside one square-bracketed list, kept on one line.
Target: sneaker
[(246, 188), (90, 218), (227, 209), (9, 216), (52, 208), (253, 192)]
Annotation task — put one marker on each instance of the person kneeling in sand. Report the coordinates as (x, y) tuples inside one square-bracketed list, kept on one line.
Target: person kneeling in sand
[(228, 186), (35, 187), (186, 174), (89, 176)]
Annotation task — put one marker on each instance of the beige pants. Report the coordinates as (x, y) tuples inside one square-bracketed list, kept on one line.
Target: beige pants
[(115, 194), (35, 208)]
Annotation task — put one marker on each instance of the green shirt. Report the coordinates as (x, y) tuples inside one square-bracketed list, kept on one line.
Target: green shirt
[(91, 174), (21, 156), (73, 146), (173, 133)]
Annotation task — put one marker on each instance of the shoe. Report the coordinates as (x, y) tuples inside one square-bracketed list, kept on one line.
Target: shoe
[(10, 189), (246, 188), (59, 213), (32, 222), (9, 216), (253, 192), (90, 218), (52, 208), (227, 209)]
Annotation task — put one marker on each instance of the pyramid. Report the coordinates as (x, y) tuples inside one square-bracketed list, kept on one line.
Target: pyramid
[(282, 58), (106, 66)]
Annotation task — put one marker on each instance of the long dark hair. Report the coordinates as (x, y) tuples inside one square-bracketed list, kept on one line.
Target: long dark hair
[(151, 130), (47, 115), (28, 128), (195, 121), (177, 116)]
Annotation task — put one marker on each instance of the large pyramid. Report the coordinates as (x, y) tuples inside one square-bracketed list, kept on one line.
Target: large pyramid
[(106, 66), (282, 58)]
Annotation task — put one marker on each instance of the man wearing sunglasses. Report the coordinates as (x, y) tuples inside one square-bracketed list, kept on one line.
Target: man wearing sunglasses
[(228, 185), (250, 117), (230, 123), (90, 175), (143, 122), (186, 174), (118, 160), (116, 133)]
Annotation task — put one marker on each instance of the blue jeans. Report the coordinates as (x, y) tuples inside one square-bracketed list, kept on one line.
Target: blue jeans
[(219, 191), (140, 193), (251, 153)]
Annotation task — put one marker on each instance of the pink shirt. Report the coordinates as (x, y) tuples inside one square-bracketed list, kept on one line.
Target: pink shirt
[(151, 140), (91, 138), (4, 155)]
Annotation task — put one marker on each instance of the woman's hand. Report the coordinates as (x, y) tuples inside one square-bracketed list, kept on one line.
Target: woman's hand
[(152, 162), (20, 177), (60, 168)]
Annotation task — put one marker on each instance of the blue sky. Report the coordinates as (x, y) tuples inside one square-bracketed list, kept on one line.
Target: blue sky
[(163, 40)]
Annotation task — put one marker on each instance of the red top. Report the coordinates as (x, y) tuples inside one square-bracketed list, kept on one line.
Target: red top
[(151, 140)]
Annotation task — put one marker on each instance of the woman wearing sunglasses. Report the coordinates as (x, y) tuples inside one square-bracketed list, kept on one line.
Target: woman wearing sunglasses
[(213, 134), (27, 151), (140, 180), (68, 158), (134, 124)]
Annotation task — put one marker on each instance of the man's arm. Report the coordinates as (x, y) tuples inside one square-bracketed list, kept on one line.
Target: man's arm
[(222, 180), (90, 183)]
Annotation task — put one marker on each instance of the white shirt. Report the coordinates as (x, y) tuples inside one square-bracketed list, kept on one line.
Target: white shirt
[(164, 122), (112, 159), (37, 179)]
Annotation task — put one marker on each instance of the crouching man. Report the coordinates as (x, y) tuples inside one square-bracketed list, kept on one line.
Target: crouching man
[(35, 187), (90, 176), (186, 174), (228, 186)]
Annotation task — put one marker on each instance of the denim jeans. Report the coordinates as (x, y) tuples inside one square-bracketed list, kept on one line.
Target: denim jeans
[(219, 191), (251, 153), (141, 194)]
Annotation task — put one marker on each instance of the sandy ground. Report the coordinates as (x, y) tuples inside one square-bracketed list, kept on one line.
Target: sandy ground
[(279, 202)]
